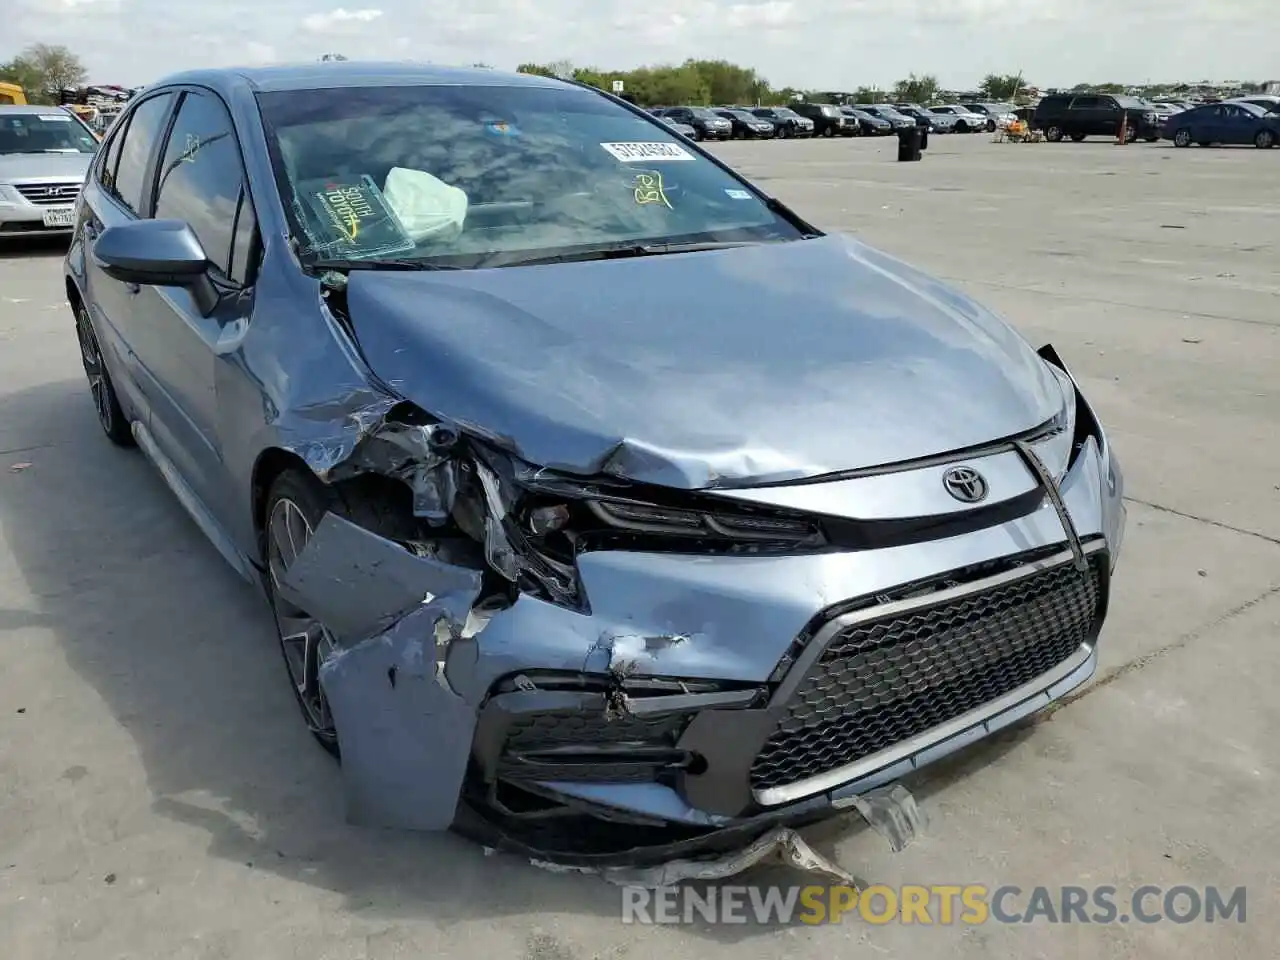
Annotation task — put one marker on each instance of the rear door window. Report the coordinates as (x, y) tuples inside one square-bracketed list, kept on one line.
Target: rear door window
[(136, 148), (1086, 103)]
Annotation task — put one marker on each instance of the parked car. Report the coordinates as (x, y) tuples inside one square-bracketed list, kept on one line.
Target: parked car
[(684, 129), (786, 122), (746, 125), (44, 155), (583, 532), (827, 119), (966, 120), (866, 124), (884, 111), (999, 115), (1225, 123), (706, 124), (936, 122), (1165, 110), (1268, 103), (1095, 115)]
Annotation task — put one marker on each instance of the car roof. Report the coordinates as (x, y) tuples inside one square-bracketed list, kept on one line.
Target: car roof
[(29, 109), (351, 73)]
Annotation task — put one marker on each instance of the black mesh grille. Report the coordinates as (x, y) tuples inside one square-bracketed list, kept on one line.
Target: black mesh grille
[(536, 745), (883, 681)]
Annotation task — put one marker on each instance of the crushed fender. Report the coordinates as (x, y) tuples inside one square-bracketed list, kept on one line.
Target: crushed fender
[(405, 735)]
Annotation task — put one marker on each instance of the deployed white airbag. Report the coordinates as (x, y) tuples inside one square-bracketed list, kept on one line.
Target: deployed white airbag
[(427, 207)]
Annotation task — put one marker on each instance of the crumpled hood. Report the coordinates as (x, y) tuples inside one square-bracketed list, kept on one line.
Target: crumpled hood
[(39, 166), (726, 368)]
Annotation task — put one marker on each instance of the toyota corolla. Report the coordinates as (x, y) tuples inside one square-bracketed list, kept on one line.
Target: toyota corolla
[(591, 522)]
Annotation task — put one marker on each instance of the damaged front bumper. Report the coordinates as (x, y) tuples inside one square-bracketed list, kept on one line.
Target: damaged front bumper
[(646, 703)]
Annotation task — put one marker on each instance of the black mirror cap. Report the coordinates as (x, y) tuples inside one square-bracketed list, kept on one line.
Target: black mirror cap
[(163, 253)]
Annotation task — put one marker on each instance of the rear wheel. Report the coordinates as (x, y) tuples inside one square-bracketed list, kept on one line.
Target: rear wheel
[(1182, 138), (828, 131), (1053, 134), (991, 126), (1265, 140), (105, 402), (962, 127)]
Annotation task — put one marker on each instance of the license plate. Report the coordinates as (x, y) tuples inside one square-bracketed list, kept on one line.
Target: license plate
[(60, 218)]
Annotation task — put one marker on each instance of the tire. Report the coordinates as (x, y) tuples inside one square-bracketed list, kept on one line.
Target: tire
[(1152, 138), (1053, 134), (828, 131), (962, 127), (298, 499), (1182, 137), (1204, 143), (1264, 140), (1077, 138), (786, 133), (991, 126), (105, 401)]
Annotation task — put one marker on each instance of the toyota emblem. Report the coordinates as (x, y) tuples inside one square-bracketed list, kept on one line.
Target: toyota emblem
[(965, 484)]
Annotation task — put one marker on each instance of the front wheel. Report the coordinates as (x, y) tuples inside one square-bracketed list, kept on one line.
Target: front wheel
[(991, 126), (962, 127), (110, 416), (1182, 138), (1265, 140), (1053, 134)]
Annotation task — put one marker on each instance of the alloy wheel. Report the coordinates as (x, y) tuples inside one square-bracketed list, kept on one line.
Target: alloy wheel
[(1182, 138), (95, 370), (305, 642), (1265, 140)]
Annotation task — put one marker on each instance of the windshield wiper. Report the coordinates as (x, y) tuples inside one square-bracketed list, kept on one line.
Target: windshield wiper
[(620, 252), (402, 263)]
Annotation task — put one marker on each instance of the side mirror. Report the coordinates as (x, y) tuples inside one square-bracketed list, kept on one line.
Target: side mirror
[(158, 253), (162, 253)]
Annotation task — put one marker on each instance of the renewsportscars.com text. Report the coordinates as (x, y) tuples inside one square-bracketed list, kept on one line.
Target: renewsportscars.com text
[(938, 904)]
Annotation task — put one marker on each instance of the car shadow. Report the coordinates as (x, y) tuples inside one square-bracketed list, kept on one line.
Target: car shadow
[(21, 248), (183, 655)]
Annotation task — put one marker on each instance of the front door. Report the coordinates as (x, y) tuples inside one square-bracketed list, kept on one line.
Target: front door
[(199, 180)]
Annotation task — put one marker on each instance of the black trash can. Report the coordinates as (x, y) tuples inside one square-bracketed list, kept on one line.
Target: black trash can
[(908, 144)]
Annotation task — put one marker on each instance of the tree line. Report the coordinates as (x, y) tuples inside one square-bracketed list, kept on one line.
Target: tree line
[(45, 69), (42, 70)]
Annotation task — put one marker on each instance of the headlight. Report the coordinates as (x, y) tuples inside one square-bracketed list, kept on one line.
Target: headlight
[(666, 521)]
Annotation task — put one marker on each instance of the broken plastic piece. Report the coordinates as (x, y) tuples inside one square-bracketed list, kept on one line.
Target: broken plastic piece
[(891, 811), (405, 743), (780, 844), (357, 583)]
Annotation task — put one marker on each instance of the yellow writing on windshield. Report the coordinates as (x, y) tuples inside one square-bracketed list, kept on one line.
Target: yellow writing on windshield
[(649, 189)]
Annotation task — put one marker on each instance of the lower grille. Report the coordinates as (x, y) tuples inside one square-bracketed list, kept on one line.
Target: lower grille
[(880, 682), (49, 194), (576, 745)]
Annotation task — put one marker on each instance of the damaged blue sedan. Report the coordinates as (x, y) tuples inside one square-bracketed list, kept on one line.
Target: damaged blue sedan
[(607, 509)]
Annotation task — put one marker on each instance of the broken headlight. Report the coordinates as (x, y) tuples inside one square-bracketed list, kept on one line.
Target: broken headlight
[(669, 521)]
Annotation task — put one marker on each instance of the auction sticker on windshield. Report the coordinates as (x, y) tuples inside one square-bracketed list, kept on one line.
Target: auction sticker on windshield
[(637, 152)]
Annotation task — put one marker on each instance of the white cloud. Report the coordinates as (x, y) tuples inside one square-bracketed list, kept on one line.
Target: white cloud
[(824, 44), (339, 19)]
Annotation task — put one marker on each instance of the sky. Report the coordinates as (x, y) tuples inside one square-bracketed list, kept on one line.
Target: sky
[(809, 44)]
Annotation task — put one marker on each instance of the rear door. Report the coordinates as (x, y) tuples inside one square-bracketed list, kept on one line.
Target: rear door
[(119, 192), (1083, 116), (201, 181), (1238, 126)]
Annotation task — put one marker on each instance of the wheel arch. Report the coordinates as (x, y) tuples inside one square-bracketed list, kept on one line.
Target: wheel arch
[(271, 463)]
